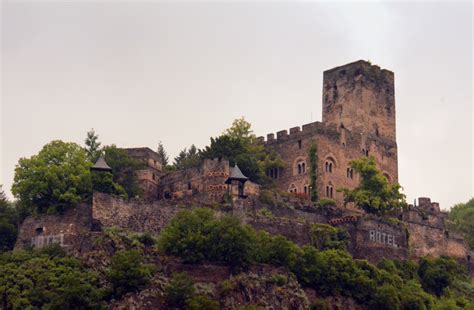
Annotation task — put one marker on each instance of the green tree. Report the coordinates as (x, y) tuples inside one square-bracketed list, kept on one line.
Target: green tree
[(54, 179), (324, 237), (461, 220), (8, 223), (123, 170), (374, 194), (127, 272), (162, 155), (92, 146), (35, 280), (240, 146), (179, 290), (188, 158), (197, 235), (438, 274)]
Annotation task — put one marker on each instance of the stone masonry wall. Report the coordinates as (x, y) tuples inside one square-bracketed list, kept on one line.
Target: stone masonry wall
[(68, 229), (336, 148)]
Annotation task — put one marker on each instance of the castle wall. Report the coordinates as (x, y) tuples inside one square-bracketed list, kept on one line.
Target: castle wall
[(335, 147), (138, 216), (67, 229)]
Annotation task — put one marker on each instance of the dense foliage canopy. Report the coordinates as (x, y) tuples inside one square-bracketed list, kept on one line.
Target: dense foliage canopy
[(8, 223), (240, 146), (374, 194), (461, 220), (34, 280), (54, 179)]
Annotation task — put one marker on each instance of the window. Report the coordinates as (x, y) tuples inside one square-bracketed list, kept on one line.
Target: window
[(329, 191), (350, 173), (39, 230), (300, 167), (329, 166), (189, 185), (299, 144), (273, 173)]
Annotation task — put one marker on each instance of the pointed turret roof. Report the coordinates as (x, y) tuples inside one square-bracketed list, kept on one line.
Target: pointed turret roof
[(236, 174), (101, 165)]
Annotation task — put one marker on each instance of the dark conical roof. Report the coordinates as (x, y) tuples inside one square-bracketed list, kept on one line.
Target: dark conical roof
[(236, 174), (101, 165)]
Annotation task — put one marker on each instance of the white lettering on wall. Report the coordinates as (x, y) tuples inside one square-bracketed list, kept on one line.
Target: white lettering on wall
[(41, 241), (383, 238)]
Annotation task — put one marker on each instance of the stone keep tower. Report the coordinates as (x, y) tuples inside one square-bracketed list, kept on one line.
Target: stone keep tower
[(360, 97)]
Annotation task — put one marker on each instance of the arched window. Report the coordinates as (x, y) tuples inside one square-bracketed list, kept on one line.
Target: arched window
[(293, 189), (299, 166), (350, 173), (329, 165), (329, 191)]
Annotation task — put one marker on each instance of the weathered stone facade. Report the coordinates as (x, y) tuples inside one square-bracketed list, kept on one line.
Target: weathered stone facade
[(149, 176), (358, 120), (67, 230)]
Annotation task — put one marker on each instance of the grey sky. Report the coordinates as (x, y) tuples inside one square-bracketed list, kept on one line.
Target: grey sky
[(179, 73)]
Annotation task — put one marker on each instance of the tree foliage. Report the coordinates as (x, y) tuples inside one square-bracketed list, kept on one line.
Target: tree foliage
[(374, 194), (162, 155), (127, 272), (240, 146), (92, 145), (188, 158), (8, 223), (54, 179), (35, 280), (123, 171), (461, 220), (197, 235)]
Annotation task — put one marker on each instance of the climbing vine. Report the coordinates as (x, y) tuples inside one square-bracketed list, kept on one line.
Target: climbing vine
[(313, 162)]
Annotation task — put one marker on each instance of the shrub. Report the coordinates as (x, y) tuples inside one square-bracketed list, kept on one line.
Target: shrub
[(179, 290), (327, 237), (267, 197), (437, 274), (201, 302), (276, 250), (127, 273), (196, 236), (34, 280), (146, 239), (325, 202)]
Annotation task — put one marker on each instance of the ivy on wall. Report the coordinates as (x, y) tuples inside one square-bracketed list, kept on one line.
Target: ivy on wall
[(313, 164)]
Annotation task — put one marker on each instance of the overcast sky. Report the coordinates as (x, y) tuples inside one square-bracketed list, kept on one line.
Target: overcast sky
[(140, 73)]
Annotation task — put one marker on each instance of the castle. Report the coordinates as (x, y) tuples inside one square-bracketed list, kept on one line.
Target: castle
[(358, 120)]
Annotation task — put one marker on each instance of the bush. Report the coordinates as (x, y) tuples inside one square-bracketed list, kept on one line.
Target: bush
[(267, 197), (201, 302), (196, 236), (276, 250), (34, 280), (127, 273), (325, 202), (437, 274), (325, 237), (179, 290), (146, 239)]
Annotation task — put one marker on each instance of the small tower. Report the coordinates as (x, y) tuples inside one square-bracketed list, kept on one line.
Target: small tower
[(101, 166), (237, 178)]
